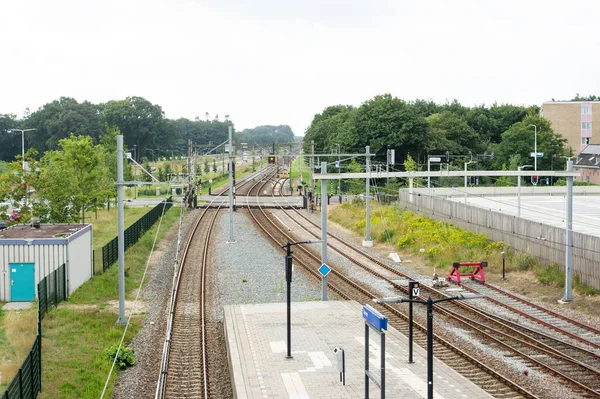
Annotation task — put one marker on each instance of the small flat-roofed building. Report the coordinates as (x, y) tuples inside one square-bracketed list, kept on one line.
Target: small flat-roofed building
[(588, 164), (28, 254)]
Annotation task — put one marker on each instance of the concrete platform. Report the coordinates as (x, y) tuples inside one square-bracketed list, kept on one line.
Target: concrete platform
[(256, 340)]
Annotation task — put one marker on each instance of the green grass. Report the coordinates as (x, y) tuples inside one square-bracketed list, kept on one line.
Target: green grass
[(73, 360), (104, 286), (443, 243), (105, 226), (77, 334)]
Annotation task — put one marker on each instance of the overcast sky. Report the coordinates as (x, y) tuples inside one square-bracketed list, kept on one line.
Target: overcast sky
[(281, 62)]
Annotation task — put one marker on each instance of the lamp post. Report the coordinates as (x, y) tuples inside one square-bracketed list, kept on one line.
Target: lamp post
[(22, 142), (503, 256), (288, 279), (339, 190), (519, 168), (429, 303), (466, 164), (534, 146)]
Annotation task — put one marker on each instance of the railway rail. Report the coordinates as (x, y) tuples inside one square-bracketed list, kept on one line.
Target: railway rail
[(347, 288)]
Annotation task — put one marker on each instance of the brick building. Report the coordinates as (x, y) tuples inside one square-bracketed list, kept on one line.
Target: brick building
[(577, 121)]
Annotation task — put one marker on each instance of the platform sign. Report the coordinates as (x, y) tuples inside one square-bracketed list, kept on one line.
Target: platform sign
[(374, 318), (337, 164), (536, 154), (416, 291), (324, 269)]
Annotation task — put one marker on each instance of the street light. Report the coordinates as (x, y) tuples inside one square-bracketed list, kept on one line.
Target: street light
[(519, 168), (534, 147), (22, 142), (339, 168), (429, 302)]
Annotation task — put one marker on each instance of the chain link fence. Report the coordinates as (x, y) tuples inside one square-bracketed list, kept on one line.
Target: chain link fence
[(28, 382)]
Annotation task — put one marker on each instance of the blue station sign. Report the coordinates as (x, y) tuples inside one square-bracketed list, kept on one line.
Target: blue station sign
[(374, 318)]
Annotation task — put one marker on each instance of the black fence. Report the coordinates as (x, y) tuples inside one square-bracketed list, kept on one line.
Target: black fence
[(28, 381), (133, 233)]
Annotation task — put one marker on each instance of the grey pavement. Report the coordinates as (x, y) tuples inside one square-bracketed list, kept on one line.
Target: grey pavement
[(256, 336), (17, 305), (550, 210)]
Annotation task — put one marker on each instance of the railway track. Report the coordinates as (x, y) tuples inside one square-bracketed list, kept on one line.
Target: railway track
[(186, 363), (346, 288), (577, 365)]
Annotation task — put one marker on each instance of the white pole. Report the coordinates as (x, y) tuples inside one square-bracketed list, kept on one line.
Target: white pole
[(324, 229), (519, 192), (569, 244), (535, 148), (230, 189), (368, 242), (121, 232), (428, 170)]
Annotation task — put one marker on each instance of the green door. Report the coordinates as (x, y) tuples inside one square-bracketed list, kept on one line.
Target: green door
[(22, 282)]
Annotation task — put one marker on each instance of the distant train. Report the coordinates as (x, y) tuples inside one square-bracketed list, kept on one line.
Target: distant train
[(284, 174)]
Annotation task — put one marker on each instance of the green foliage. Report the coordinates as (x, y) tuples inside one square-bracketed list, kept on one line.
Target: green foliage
[(74, 179), (550, 275), (524, 261), (266, 134), (125, 356)]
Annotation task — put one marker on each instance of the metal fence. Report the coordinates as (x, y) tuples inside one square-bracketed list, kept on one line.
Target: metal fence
[(134, 232), (28, 381)]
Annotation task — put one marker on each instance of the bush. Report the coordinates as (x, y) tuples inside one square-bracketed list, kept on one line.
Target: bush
[(550, 275), (524, 261), (126, 357)]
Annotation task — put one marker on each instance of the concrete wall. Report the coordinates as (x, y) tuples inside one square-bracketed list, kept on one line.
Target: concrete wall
[(509, 191), (544, 242)]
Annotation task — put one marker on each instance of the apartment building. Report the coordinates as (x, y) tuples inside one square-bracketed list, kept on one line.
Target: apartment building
[(577, 121)]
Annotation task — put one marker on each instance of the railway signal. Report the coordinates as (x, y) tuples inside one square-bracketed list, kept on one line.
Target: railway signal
[(271, 159)]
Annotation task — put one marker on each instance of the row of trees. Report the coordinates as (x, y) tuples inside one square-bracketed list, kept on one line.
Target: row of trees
[(65, 183), (143, 125), (423, 127)]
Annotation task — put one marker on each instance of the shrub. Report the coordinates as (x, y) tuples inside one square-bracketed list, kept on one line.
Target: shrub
[(524, 261), (550, 275), (386, 235), (126, 357)]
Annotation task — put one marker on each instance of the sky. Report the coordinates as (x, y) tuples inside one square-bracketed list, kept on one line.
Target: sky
[(271, 62)]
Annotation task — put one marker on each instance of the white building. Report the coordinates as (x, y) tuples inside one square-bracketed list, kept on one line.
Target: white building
[(28, 254)]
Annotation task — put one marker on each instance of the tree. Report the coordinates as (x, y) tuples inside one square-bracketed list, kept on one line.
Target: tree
[(10, 143), (142, 123), (61, 118), (74, 179), (206, 166), (16, 185), (388, 121), (520, 137), (450, 132)]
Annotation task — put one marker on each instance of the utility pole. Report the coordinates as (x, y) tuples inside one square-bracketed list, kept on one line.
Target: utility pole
[(324, 228), (368, 242), (569, 244), (230, 189), (189, 168), (312, 177), (121, 227)]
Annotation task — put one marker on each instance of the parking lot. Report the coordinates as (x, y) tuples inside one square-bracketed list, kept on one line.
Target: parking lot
[(550, 210)]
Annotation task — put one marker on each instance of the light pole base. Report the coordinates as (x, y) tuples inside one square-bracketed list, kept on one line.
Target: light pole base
[(564, 301), (367, 243), (231, 242), (409, 362), (289, 357)]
